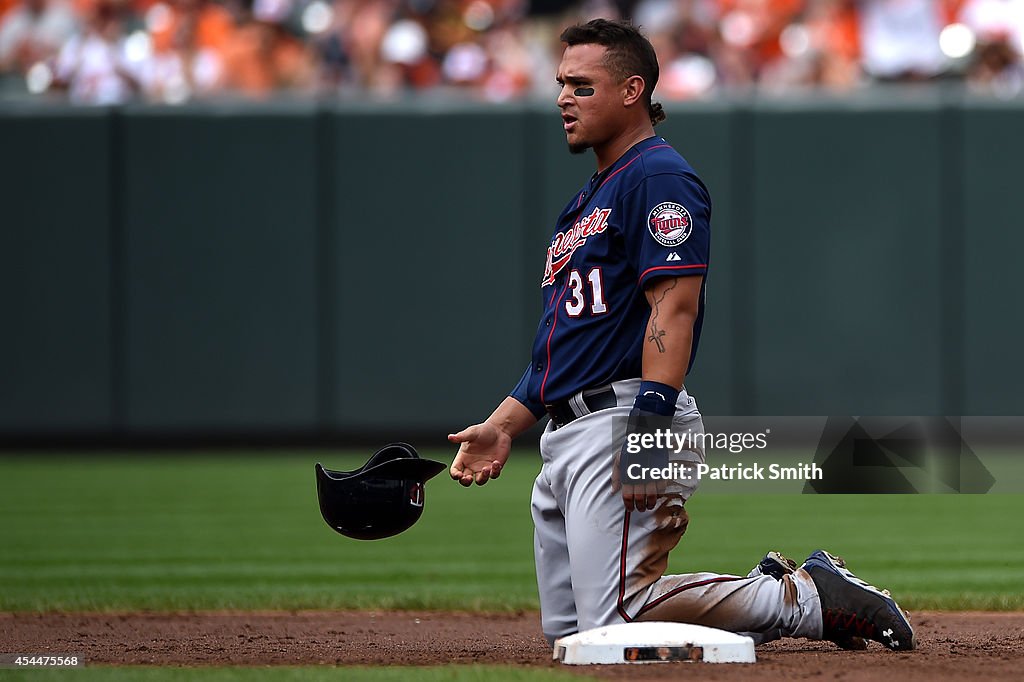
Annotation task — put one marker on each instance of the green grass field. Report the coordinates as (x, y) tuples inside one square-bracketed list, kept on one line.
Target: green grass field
[(216, 531)]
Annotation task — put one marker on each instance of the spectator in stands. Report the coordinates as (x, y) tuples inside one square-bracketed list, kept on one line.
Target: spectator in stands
[(821, 48), (188, 40), (900, 39), (94, 66), (998, 26), (686, 38), (263, 57), (33, 32)]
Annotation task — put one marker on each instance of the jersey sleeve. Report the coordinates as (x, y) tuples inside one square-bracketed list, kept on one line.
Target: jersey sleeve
[(521, 393), (667, 227)]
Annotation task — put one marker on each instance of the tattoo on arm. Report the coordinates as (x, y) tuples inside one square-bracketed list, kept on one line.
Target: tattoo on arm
[(656, 332)]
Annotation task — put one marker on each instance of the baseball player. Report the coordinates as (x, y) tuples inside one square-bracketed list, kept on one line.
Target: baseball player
[(623, 292)]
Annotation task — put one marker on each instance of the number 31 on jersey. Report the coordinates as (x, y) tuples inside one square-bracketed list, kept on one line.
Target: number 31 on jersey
[(577, 300)]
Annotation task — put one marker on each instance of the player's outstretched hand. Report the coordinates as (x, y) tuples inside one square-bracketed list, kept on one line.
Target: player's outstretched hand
[(483, 451)]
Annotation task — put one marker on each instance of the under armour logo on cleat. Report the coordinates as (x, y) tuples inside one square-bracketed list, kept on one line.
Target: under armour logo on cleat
[(672, 257), (888, 635)]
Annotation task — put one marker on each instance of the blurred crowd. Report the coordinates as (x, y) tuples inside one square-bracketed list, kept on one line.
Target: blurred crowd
[(114, 51)]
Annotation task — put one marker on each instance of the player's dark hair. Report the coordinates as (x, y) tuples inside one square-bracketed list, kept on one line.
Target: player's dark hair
[(629, 54)]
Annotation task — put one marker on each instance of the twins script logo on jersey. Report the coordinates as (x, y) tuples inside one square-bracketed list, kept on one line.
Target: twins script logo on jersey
[(670, 223), (565, 243)]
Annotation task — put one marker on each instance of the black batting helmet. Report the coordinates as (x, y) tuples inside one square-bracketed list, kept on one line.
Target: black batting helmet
[(382, 498)]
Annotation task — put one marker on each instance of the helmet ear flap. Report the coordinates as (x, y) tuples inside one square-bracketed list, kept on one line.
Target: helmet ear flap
[(382, 498)]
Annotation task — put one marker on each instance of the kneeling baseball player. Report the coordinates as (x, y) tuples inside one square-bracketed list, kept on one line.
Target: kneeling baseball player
[(623, 306)]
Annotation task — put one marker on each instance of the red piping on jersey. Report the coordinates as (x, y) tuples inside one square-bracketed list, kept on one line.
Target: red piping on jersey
[(670, 267), (682, 588), (555, 314), (657, 146), (551, 333), (622, 569)]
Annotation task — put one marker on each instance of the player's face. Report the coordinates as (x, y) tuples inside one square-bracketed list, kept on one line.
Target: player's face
[(589, 120)]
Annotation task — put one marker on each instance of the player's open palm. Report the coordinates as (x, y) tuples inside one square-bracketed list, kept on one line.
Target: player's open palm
[(483, 451)]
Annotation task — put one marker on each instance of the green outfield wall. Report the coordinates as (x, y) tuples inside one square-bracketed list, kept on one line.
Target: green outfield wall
[(321, 270)]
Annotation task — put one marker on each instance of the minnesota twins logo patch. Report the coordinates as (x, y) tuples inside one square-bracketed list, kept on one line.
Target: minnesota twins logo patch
[(670, 223)]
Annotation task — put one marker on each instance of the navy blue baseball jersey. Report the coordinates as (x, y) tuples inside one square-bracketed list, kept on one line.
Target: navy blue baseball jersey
[(647, 216)]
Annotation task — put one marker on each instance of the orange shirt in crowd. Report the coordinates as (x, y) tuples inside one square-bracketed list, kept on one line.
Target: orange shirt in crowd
[(842, 33), (770, 18), (261, 58), (213, 30)]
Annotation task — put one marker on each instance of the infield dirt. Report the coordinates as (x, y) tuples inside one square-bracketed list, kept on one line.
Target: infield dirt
[(960, 646)]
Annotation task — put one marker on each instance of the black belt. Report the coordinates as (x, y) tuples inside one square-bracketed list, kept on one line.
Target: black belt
[(581, 404)]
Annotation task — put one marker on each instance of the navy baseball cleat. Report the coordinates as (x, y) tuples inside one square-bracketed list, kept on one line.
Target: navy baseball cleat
[(851, 607), (777, 565)]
